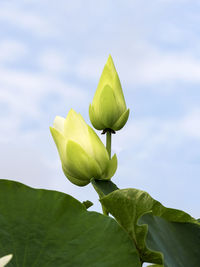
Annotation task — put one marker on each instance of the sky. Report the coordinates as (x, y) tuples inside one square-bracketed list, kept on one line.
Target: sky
[(52, 54)]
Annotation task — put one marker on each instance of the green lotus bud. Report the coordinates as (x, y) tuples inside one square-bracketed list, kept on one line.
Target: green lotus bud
[(81, 151), (108, 109)]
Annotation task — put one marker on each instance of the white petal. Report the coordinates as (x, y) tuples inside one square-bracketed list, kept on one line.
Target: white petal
[(4, 260), (58, 123)]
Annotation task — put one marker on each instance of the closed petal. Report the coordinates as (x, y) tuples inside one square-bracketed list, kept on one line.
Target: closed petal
[(99, 150), (111, 168), (121, 121), (110, 77), (79, 164), (60, 142), (75, 180), (76, 129), (117, 88), (96, 122), (105, 79), (108, 111)]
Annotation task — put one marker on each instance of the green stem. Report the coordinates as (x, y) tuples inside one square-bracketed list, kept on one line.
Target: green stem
[(101, 194), (105, 212), (108, 143)]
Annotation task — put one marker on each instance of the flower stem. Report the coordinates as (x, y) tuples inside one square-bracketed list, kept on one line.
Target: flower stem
[(108, 143), (101, 194), (108, 147)]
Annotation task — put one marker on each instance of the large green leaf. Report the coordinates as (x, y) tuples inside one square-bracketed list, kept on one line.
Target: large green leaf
[(49, 228), (179, 242), (162, 235)]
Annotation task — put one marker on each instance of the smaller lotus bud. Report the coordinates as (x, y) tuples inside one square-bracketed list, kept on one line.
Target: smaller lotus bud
[(108, 109), (82, 153)]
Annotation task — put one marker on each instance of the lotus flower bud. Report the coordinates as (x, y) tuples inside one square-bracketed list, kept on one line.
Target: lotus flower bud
[(108, 108), (83, 155)]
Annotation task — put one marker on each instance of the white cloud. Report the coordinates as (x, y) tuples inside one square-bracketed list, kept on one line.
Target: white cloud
[(190, 124), (176, 1), (26, 19), (149, 134), (141, 62), (54, 61), (144, 64), (22, 92), (17, 83), (12, 50), (90, 68), (165, 67)]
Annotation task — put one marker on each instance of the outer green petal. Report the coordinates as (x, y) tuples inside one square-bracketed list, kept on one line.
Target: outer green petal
[(117, 88), (94, 120), (60, 142), (121, 121), (100, 152), (112, 167), (58, 124), (74, 180), (79, 164), (108, 111), (106, 78)]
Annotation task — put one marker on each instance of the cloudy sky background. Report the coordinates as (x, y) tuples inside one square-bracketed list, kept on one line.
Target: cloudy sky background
[(51, 57)]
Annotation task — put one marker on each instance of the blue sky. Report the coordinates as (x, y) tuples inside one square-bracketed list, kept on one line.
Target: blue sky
[(51, 57)]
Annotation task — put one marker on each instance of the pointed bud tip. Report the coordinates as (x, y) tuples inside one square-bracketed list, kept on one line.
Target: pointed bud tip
[(71, 112), (110, 60), (110, 65)]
